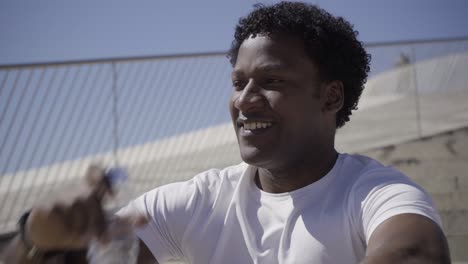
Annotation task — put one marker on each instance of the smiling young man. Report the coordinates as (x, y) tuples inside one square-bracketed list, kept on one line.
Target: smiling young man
[(297, 74)]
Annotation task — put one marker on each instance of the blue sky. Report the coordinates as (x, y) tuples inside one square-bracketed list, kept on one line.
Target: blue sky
[(53, 30)]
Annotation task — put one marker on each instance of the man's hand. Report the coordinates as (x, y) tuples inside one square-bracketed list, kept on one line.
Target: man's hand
[(72, 221)]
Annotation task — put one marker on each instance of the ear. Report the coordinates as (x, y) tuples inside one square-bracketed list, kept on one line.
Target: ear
[(332, 96)]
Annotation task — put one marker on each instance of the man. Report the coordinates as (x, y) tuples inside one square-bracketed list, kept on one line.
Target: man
[(297, 74)]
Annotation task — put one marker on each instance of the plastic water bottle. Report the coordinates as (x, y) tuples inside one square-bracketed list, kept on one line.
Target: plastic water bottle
[(123, 247)]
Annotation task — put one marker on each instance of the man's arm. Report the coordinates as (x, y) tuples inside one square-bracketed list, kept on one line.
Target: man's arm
[(63, 229), (15, 252), (407, 238)]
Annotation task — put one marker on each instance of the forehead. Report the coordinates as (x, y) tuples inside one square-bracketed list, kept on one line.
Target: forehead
[(269, 53)]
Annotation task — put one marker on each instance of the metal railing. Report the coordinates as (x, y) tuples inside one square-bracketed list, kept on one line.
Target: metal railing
[(166, 117)]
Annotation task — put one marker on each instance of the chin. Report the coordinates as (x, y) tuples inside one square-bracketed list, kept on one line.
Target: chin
[(256, 157)]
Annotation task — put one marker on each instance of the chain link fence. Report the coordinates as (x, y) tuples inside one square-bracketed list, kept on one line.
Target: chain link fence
[(166, 118)]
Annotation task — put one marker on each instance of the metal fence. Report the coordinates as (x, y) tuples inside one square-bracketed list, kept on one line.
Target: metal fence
[(166, 118)]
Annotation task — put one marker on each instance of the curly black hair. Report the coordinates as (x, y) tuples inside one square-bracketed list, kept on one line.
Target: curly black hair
[(330, 42)]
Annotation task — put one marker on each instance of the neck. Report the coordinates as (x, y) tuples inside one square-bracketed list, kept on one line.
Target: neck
[(297, 174)]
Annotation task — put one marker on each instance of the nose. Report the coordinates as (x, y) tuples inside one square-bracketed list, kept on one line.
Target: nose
[(250, 98)]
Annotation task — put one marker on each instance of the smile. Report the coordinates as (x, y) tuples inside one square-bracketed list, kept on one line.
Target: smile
[(256, 125)]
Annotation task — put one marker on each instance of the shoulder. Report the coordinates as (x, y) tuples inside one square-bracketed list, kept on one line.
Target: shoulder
[(211, 185), (202, 187), (373, 180), (380, 192), (368, 173)]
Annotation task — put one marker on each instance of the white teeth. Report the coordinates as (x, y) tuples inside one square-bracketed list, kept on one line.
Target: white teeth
[(256, 125)]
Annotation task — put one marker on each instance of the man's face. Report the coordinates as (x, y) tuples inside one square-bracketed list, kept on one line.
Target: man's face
[(275, 106)]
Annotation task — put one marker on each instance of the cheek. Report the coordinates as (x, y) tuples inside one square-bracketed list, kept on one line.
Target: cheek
[(297, 111), (275, 99), (287, 105)]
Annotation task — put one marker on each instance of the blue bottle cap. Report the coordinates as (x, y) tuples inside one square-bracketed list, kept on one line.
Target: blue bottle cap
[(116, 176)]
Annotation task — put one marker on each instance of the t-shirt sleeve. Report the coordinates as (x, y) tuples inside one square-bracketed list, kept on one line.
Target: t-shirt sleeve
[(383, 193), (169, 209)]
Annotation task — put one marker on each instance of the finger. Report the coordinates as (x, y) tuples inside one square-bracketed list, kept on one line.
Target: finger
[(96, 179), (94, 175), (87, 221), (59, 215), (103, 190), (79, 217)]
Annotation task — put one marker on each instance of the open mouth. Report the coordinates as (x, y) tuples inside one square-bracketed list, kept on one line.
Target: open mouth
[(255, 126)]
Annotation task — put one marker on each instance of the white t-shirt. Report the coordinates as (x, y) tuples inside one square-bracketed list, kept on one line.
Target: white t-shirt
[(221, 216)]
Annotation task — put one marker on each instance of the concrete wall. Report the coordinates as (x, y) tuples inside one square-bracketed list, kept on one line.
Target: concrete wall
[(440, 165)]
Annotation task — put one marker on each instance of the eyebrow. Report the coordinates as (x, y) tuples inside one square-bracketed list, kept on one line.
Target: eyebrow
[(271, 67)]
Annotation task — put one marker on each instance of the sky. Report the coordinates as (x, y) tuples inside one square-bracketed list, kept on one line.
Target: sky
[(59, 30)]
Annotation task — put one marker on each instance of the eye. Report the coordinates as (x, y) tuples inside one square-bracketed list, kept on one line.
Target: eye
[(273, 82), (238, 85)]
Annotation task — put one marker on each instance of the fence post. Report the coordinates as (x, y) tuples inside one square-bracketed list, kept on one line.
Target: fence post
[(115, 114), (416, 92)]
